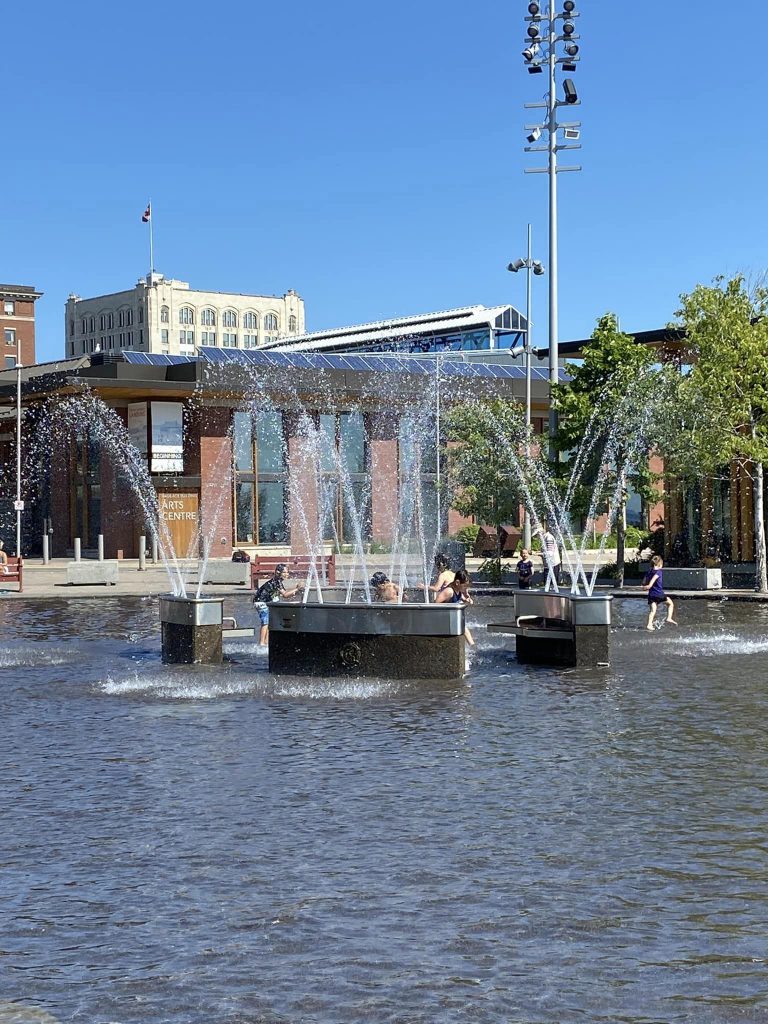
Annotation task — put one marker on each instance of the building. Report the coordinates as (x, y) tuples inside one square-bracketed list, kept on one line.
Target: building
[(17, 319), (466, 329), (222, 438), (167, 317)]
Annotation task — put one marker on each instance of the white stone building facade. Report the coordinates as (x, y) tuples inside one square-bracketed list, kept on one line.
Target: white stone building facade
[(165, 316)]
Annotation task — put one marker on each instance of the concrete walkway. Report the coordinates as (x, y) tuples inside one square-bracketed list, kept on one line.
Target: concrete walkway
[(49, 581)]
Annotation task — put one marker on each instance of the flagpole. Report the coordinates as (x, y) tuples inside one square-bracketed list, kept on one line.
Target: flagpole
[(151, 242)]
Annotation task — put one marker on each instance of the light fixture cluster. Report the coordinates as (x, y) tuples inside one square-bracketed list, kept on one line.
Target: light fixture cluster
[(544, 32)]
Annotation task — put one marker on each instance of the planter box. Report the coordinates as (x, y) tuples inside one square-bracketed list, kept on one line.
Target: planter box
[(693, 579), (91, 573)]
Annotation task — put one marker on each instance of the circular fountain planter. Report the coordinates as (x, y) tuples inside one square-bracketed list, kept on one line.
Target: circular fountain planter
[(192, 629), (396, 641), (560, 629)]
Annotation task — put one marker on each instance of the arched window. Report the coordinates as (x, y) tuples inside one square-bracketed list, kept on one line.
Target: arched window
[(92, 323), (208, 318), (186, 315), (102, 321), (250, 322), (121, 318), (292, 324), (164, 315), (128, 317), (84, 325), (110, 320), (270, 322), (229, 318)]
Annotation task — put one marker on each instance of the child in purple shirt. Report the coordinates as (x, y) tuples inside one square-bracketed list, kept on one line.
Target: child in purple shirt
[(654, 584)]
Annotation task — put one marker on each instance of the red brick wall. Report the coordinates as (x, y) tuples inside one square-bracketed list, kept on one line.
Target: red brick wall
[(122, 519), (301, 476), (384, 475), (25, 332)]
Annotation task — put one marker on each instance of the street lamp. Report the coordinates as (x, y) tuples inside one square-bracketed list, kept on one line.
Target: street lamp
[(531, 266), (546, 31)]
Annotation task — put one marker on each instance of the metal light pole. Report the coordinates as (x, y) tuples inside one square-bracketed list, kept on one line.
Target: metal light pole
[(19, 505), (531, 266), (546, 31)]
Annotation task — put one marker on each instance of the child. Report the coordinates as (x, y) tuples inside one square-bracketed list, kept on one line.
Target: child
[(385, 590), (524, 570), (457, 592), (654, 584), (272, 590), (444, 575)]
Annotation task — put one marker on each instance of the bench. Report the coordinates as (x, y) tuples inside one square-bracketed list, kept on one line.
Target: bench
[(93, 573), (15, 572), (263, 566)]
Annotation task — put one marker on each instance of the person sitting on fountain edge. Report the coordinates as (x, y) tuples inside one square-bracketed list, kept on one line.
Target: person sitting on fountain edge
[(654, 584), (273, 590), (385, 590), (444, 575), (524, 570), (457, 592)]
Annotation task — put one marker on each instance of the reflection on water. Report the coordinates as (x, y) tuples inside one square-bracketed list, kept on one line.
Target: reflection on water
[(184, 844)]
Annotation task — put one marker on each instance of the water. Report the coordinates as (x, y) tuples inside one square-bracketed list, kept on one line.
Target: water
[(531, 845)]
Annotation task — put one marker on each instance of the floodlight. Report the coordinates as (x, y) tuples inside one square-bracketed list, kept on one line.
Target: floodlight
[(568, 28), (534, 69), (533, 8), (533, 31), (530, 51), (571, 48), (517, 265), (571, 133), (568, 66), (538, 268), (571, 96), (535, 135), (568, 6)]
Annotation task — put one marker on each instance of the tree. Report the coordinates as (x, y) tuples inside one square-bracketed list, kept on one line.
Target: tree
[(602, 406), (724, 389), (485, 438)]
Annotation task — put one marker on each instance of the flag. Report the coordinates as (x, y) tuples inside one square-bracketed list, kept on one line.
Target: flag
[(147, 215)]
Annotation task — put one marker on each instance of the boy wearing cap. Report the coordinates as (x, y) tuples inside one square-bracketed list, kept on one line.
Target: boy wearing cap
[(272, 590)]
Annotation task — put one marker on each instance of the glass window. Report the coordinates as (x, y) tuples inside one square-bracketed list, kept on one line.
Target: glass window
[(186, 337), (164, 317), (270, 322), (229, 318), (208, 337), (92, 323), (186, 315), (244, 511), (71, 328), (327, 442), (243, 442), (9, 307), (111, 321), (141, 314), (269, 439), (10, 362), (249, 321), (272, 512), (250, 341), (102, 322), (128, 317), (352, 441), (10, 336), (164, 336), (84, 326), (121, 318), (292, 324), (229, 340), (208, 318)]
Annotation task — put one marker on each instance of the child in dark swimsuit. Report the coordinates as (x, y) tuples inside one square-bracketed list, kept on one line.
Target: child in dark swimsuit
[(457, 592), (654, 584)]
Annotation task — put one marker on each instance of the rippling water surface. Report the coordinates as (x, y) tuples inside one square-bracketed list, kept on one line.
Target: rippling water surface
[(190, 845)]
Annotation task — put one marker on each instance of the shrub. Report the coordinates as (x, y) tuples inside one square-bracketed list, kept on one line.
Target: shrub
[(467, 536), (494, 569)]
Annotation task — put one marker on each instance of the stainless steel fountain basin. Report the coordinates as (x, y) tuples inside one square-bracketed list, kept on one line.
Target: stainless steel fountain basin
[(577, 610), (362, 618), (192, 611)]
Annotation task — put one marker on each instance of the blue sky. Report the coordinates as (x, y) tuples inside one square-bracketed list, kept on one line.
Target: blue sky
[(371, 156)]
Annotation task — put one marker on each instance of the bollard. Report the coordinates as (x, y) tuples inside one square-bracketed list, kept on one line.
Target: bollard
[(77, 549), (142, 553), (101, 547), (46, 556), (154, 550)]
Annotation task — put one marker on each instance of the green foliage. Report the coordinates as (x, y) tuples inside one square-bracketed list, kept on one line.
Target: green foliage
[(377, 547), (467, 536), (494, 569), (479, 464)]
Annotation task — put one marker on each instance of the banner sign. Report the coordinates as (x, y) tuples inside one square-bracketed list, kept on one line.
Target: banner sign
[(167, 437), (137, 426)]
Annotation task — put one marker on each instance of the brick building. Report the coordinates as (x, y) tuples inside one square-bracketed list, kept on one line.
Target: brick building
[(17, 320)]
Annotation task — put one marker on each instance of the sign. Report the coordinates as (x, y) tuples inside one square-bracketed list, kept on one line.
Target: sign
[(18, 506), (137, 426), (167, 437)]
